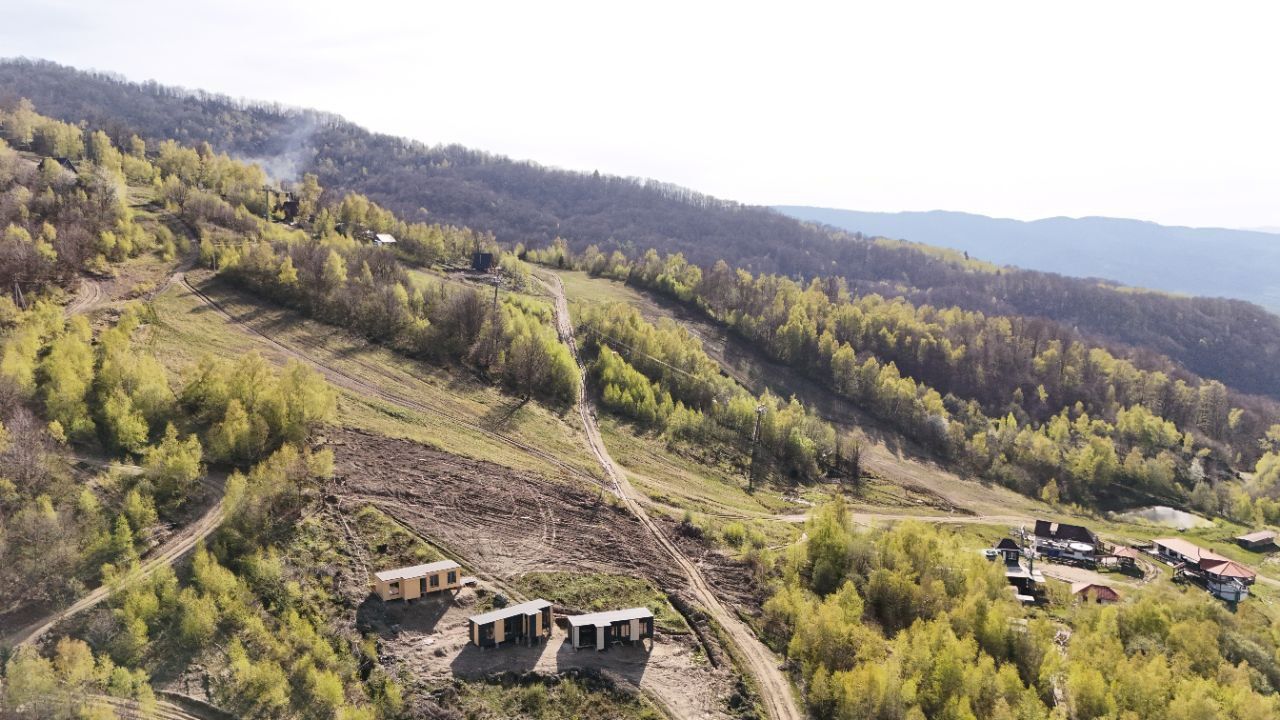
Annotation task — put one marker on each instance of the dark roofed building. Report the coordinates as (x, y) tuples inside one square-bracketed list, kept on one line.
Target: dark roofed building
[(1065, 532)]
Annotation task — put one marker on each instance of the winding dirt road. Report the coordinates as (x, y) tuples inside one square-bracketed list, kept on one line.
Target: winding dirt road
[(89, 296), (774, 689)]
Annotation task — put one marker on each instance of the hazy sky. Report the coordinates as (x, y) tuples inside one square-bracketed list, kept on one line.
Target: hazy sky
[(1166, 111)]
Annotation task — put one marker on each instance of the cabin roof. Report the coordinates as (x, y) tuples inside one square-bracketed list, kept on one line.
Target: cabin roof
[(1257, 537), (1007, 544), (610, 616), (1227, 568), (1187, 549), (1126, 552), (414, 571), (385, 238), (1102, 590), (1208, 560), (1064, 531), (524, 608)]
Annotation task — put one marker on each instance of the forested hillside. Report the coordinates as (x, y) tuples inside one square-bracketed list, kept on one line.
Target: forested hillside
[(1231, 341), (1027, 404), (1133, 252)]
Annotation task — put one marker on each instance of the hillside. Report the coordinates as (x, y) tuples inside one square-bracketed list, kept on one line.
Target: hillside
[(1133, 252), (218, 422), (524, 203)]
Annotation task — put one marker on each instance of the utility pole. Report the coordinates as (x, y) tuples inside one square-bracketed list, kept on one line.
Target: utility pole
[(755, 441), (496, 282)]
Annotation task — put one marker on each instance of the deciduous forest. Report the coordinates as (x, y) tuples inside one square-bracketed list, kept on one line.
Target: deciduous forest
[(523, 202)]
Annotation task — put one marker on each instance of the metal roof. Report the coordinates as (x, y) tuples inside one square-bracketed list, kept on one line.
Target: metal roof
[(1208, 560), (406, 573), (1101, 590), (525, 608), (1187, 549), (1259, 536), (385, 238), (609, 617), (1227, 568)]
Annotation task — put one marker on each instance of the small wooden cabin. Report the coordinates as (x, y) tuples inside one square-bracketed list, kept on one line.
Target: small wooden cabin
[(1260, 540), (1094, 592), (527, 622), (1009, 550), (602, 629), (413, 582)]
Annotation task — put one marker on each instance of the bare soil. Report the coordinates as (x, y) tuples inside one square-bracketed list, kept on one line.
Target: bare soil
[(501, 521)]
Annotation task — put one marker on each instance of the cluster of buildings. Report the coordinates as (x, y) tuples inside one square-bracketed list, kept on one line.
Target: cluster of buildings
[(1223, 577), (527, 623)]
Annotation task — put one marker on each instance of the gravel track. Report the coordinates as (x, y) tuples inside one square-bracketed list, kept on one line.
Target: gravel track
[(773, 687)]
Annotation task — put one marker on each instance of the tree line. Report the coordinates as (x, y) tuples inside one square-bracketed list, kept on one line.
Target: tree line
[(660, 377), (1025, 403)]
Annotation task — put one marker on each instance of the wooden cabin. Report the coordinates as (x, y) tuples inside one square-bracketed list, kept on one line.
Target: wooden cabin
[(384, 239), (410, 583), (527, 622), (1094, 592), (1260, 540), (1009, 551), (602, 629), (1121, 558), (1064, 532)]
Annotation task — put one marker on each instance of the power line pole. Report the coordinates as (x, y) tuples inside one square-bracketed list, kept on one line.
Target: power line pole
[(755, 442)]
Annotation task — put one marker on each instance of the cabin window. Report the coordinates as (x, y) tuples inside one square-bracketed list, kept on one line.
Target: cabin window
[(394, 587), (453, 577), (435, 581), (626, 630)]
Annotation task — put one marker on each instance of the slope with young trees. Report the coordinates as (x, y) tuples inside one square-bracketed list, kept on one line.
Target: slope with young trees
[(1029, 404), (1232, 341)]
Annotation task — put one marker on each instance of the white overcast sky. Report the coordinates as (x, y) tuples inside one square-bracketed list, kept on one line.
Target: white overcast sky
[(1167, 111)]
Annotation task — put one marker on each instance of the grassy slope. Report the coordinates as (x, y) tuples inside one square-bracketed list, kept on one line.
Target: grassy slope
[(187, 330)]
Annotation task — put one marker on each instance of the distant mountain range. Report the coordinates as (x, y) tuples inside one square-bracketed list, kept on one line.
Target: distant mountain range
[(1214, 262)]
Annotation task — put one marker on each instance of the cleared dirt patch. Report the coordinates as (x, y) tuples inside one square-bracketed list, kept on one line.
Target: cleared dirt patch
[(501, 521)]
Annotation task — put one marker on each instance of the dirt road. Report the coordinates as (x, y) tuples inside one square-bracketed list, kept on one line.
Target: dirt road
[(773, 686), (88, 296), (166, 554)]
